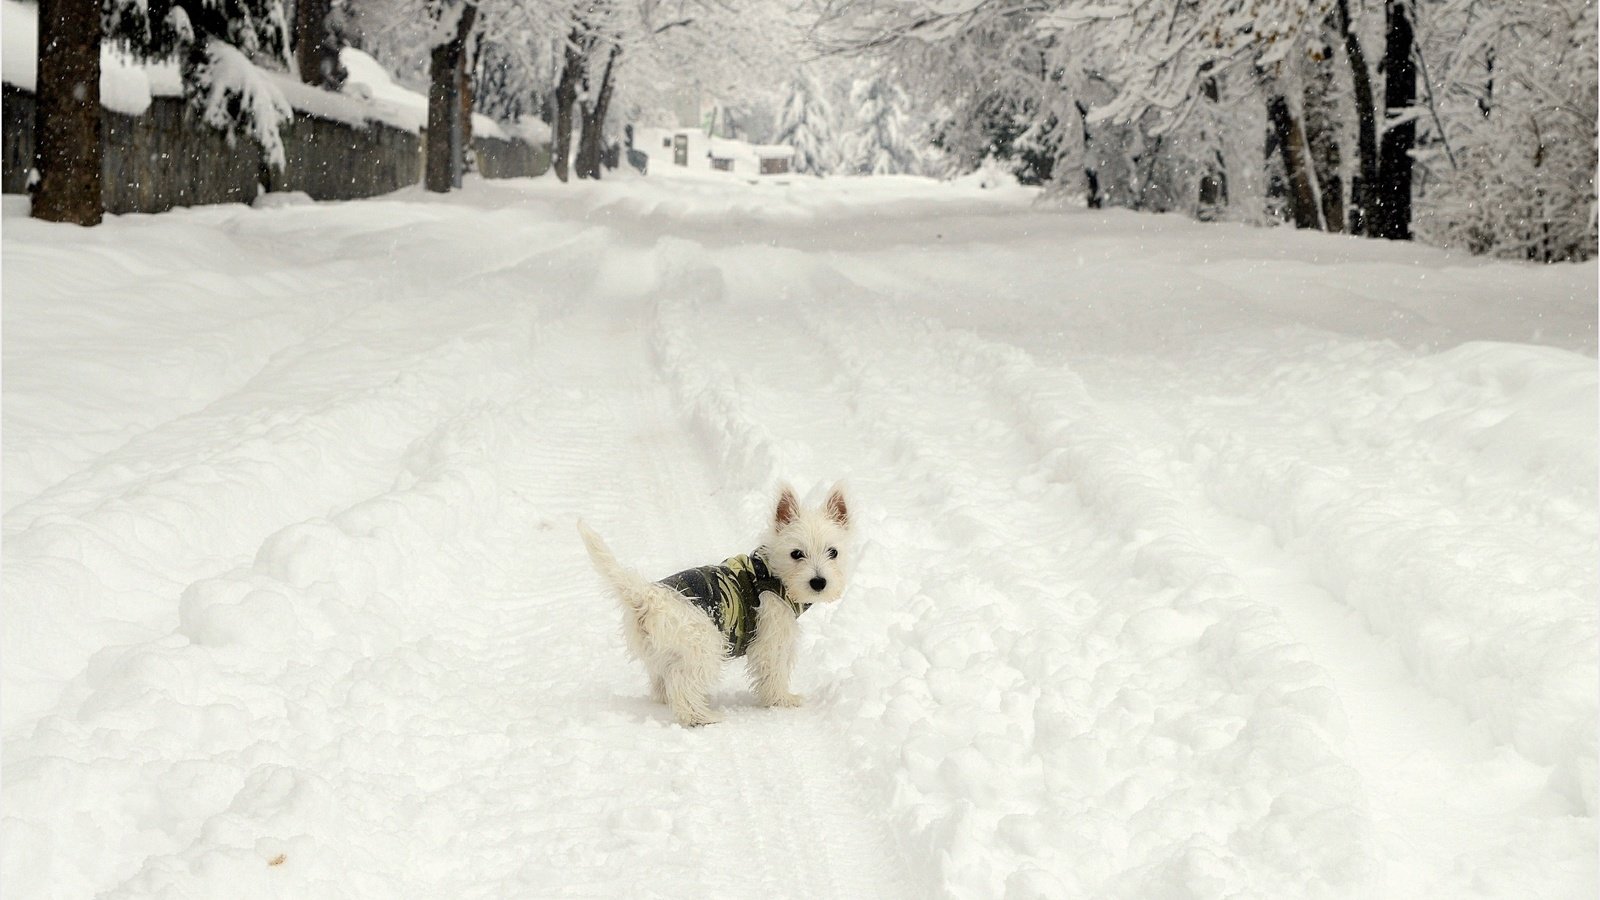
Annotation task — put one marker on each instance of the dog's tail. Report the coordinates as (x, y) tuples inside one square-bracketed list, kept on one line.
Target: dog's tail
[(631, 589)]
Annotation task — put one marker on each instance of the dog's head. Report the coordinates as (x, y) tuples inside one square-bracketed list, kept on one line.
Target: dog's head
[(806, 546)]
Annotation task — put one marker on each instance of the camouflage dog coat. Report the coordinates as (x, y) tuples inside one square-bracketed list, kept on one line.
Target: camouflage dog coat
[(731, 594)]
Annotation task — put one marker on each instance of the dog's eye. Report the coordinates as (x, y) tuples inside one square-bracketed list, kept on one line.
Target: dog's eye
[(796, 554), (833, 553)]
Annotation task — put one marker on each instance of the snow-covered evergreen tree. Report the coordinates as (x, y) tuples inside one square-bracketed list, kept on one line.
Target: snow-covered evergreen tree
[(881, 143), (806, 124), (219, 47)]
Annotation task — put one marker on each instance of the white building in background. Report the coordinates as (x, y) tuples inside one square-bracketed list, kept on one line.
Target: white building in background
[(699, 142), (688, 149)]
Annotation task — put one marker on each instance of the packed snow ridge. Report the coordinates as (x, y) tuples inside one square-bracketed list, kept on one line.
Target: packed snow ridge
[(1196, 560)]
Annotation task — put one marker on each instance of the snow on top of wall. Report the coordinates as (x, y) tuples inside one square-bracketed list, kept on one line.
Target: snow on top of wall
[(533, 131), (127, 86), (369, 81), (368, 78), (728, 148)]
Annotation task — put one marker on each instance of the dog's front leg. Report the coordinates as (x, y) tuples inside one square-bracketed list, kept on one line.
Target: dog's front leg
[(771, 655)]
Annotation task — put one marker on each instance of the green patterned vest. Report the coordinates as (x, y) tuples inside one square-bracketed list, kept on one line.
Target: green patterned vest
[(731, 594)]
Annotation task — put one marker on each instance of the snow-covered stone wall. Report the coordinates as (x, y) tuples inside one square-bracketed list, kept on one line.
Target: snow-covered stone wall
[(158, 154), (166, 157)]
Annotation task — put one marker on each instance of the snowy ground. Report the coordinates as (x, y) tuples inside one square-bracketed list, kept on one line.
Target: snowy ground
[(1198, 561)]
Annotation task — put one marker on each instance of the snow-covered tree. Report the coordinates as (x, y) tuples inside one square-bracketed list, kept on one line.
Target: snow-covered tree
[(736, 54), (1145, 104), (459, 48), (317, 43), (449, 132), (880, 142), (806, 124), (1508, 139), (575, 60), (220, 47), (511, 76)]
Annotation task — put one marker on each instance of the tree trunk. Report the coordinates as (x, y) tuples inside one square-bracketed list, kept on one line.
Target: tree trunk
[(587, 162), (1391, 198), (592, 141), (446, 135), (1486, 102), (566, 95), (1322, 137), (1366, 123), (1291, 141), (1213, 188), (316, 52), (67, 113), (466, 102), (1091, 176)]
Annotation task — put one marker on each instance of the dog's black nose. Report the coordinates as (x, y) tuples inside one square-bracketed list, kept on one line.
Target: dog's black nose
[(818, 583)]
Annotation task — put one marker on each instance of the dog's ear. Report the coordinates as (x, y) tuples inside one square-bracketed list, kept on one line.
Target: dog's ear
[(837, 509), (788, 506)]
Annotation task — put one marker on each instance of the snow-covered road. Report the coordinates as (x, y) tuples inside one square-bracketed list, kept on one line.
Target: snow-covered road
[(1197, 561)]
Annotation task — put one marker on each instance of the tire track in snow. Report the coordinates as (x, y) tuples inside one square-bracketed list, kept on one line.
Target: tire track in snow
[(256, 278), (1477, 583), (1323, 532), (1423, 763), (834, 832), (278, 448), (424, 693), (277, 719), (1436, 493), (1439, 791), (968, 796), (416, 694), (1454, 777), (750, 806)]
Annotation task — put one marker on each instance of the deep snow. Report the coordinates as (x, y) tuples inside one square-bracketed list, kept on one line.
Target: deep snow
[(1197, 560)]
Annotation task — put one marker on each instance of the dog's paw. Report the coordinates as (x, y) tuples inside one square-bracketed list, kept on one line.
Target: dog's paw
[(786, 699), (695, 720)]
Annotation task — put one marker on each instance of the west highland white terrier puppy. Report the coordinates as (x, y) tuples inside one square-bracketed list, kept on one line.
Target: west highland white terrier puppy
[(685, 626)]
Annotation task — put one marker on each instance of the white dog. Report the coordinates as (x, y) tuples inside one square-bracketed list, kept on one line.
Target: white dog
[(685, 626)]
